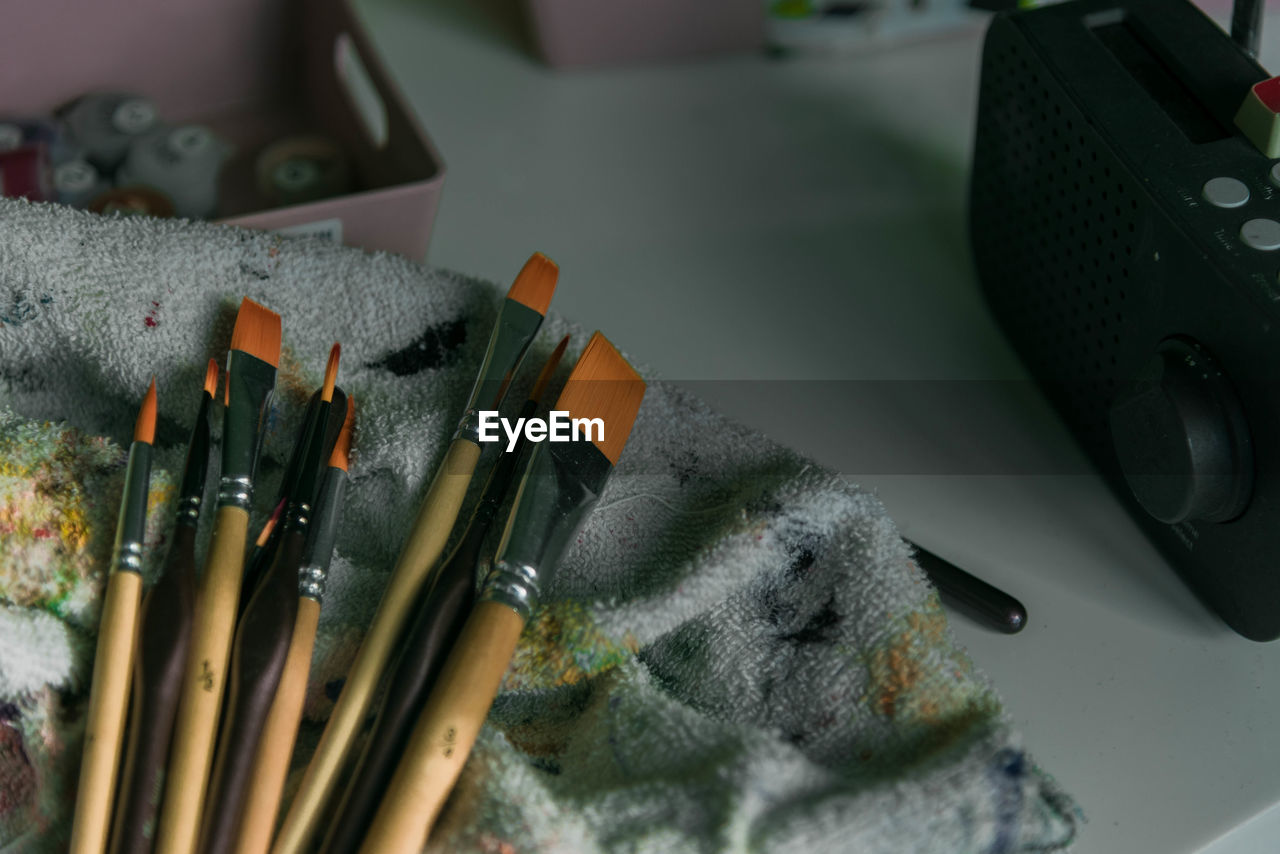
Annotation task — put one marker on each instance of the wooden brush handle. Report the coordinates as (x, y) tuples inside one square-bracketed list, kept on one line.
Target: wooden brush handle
[(202, 685), (257, 663), (434, 632), (446, 731), (306, 817), (108, 704), (275, 748), (164, 634)]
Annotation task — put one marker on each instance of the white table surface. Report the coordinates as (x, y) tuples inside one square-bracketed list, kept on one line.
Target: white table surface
[(788, 238)]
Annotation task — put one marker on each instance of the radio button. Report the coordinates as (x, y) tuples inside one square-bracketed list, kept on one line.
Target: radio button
[(1225, 192), (1261, 234)]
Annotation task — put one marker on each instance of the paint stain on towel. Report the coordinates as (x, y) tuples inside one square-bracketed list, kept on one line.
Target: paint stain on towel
[(150, 320), (561, 646), (22, 308), (434, 348)]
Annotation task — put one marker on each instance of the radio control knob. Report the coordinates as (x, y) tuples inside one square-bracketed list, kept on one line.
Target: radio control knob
[(1181, 438)]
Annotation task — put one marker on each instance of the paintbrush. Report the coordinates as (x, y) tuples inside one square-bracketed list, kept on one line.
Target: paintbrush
[(434, 631), (109, 694), (271, 765), (251, 375), (561, 485), (164, 631), (518, 321), (263, 551), (263, 639)]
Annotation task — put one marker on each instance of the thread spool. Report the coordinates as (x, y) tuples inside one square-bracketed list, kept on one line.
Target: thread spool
[(104, 125), (132, 201), (181, 162), (300, 169), (78, 182), (25, 173)]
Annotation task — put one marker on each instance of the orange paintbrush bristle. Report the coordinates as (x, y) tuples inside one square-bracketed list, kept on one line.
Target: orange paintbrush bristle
[(536, 283), (269, 525), (341, 454), (553, 362), (211, 378), (145, 428), (226, 390), (331, 372), (257, 332), (604, 385)]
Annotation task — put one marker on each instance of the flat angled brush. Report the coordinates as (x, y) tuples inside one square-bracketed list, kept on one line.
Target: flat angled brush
[(262, 641), (438, 623), (518, 321), (275, 749), (163, 635), (251, 376), (560, 486), (109, 694)]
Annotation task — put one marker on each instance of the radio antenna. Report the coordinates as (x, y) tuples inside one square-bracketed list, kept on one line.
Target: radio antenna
[(1246, 25)]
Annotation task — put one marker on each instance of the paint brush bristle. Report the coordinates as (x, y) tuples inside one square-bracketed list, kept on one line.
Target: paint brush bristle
[(211, 378), (331, 372), (553, 362), (257, 332), (604, 385), (536, 283), (144, 430), (341, 454)]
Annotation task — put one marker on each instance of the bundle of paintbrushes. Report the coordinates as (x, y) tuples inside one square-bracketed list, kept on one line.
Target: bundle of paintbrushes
[(175, 648), (205, 772)]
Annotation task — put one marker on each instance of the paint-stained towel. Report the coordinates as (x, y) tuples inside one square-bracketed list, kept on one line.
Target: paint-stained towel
[(737, 654)]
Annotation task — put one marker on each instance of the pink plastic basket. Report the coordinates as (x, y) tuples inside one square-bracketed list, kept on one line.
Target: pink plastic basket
[(254, 71)]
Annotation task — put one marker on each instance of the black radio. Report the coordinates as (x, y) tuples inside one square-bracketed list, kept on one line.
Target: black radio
[(1124, 214)]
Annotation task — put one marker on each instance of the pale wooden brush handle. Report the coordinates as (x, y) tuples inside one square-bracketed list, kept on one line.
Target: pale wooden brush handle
[(306, 818), (443, 737), (108, 704), (275, 749), (202, 685)]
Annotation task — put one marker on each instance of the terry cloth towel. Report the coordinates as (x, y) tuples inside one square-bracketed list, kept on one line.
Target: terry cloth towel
[(738, 653)]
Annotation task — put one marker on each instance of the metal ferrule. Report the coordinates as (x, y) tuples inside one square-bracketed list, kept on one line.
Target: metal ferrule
[(189, 509), (251, 382), (235, 492), (512, 334), (560, 486), (131, 525), (324, 532)]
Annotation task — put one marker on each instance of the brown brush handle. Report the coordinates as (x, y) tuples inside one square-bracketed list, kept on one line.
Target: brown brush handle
[(108, 704), (275, 748), (306, 817), (164, 633), (203, 681), (257, 663), (434, 632), (442, 740)]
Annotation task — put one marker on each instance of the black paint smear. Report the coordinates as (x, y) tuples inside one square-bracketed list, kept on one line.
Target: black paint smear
[(543, 764), (804, 552), (258, 274), (818, 628), (432, 349)]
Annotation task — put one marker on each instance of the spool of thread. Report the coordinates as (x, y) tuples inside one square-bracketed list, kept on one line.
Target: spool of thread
[(104, 125), (300, 169), (20, 132), (132, 201), (78, 182), (181, 162), (25, 173)]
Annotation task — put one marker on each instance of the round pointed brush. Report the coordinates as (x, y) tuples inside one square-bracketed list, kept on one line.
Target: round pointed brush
[(163, 635), (560, 486), (518, 321), (275, 749), (262, 644), (109, 694), (439, 620)]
